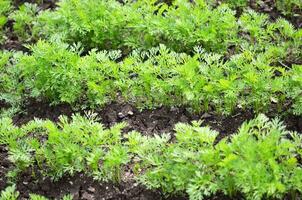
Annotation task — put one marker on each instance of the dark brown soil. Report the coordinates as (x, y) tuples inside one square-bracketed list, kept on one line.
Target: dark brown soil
[(269, 7), (293, 123), (12, 42), (82, 187), (4, 166), (33, 109), (160, 120), (85, 188), (163, 120), (3, 105), (43, 5)]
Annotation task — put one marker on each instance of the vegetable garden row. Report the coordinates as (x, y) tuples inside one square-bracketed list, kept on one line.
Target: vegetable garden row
[(214, 59)]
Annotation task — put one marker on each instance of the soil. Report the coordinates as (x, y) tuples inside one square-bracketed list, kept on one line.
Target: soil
[(85, 188), (45, 4), (3, 105), (42, 110), (12, 42), (163, 120), (4, 166), (156, 121), (269, 7)]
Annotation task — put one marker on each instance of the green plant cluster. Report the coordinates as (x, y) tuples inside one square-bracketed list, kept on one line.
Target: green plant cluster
[(22, 15), (234, 4), (11, 89), (154, 78), (66, 148), (24, 19), (260, 161), (5, 8), (145, 24), (253, 66), (139, 24)]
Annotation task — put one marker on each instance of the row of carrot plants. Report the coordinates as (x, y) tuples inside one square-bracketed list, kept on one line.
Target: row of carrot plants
[(149, 79), (260, 161), (145, 24)]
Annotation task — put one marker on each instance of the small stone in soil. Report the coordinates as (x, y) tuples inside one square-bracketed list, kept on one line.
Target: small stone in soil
[(120, 115), (206, 115), (91, 189), (75, 193), (88, 196)]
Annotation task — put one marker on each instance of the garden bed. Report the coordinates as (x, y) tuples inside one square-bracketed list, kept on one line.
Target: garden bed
[(175, 100)]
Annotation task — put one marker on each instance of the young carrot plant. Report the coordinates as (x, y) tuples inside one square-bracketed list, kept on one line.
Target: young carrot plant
[(9, 193), (68, 148), (294, 89), (24, 19), (5, 8), (139, 24), (52, 72), (11, 88)]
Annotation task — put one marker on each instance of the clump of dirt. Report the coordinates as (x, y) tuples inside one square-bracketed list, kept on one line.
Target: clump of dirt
[(293, 123)]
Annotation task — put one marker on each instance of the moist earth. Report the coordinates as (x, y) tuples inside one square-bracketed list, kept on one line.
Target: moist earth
[(160, 120)]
